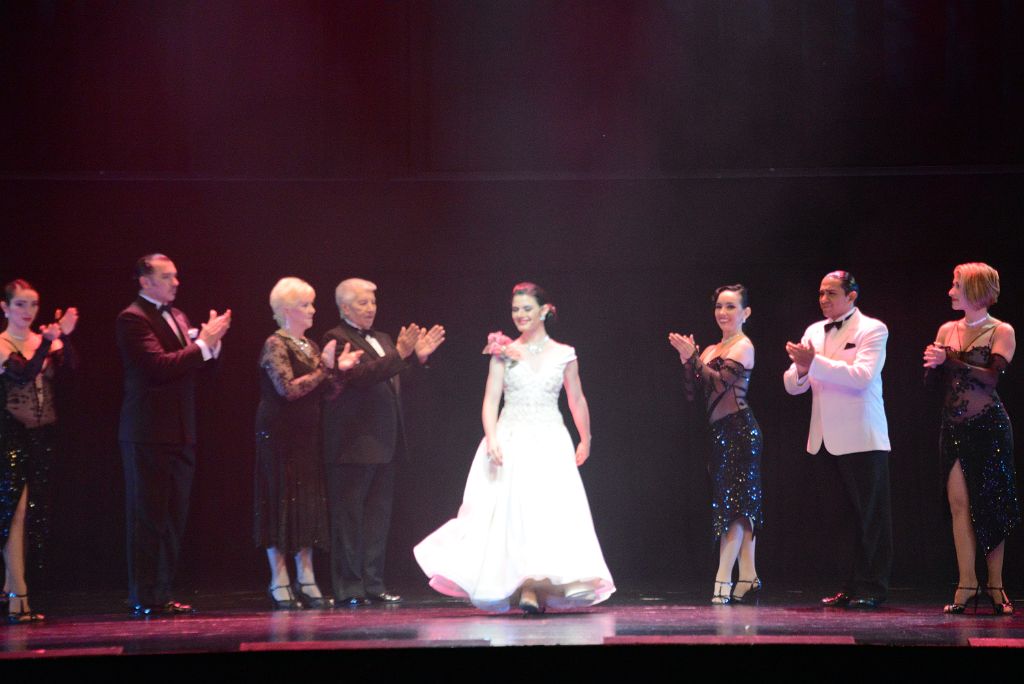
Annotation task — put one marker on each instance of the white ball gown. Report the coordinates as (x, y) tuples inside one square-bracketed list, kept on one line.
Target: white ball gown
[(527, 520)]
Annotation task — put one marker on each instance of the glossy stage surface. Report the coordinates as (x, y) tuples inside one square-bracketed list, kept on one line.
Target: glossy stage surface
[(94, 630)]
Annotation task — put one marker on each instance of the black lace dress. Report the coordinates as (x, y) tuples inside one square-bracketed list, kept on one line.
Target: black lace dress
[(290, 496), (736, 440), (28, 437), (976, 431)]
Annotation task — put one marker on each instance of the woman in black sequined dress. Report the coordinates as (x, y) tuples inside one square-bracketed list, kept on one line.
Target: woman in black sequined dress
[(34, 363), (290, 496), (723, 371), (969, 355)]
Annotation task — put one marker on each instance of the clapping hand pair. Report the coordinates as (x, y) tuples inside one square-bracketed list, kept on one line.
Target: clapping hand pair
[(802, 355), (413, 338), (64, 324), (344, 361), (684, 344), (214, 329), (934, 356)]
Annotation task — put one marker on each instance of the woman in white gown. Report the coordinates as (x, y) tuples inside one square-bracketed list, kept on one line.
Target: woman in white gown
[(524, 535)]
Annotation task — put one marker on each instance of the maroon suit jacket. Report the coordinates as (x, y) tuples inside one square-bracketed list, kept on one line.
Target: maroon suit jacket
[(159, 377)]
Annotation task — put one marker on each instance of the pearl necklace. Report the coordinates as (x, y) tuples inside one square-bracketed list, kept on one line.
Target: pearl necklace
[(975, 324)]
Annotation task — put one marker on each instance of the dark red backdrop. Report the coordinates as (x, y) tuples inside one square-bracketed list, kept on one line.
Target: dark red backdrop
[(629, 156)]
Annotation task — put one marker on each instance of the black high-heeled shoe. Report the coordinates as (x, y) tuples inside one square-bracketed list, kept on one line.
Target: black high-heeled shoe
[(720, 599), (309, 601), (288, 603), (751, 595), (22, 616), (961, 608), (1004, 606)]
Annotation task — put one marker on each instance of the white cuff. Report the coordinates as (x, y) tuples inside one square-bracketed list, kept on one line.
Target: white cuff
[(205, 349)]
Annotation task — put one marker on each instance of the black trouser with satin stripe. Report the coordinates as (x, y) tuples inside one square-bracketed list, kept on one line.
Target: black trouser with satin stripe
[(865, 476), (158, 482)]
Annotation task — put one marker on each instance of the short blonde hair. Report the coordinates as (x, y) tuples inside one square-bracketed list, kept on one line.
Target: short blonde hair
[(288, 292), (346, 291), (980, 283)]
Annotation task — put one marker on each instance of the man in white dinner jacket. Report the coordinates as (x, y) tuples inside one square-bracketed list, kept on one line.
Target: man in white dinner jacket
[(840, 360)]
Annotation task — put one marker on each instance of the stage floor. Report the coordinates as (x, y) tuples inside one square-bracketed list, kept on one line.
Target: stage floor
[(91, 625)]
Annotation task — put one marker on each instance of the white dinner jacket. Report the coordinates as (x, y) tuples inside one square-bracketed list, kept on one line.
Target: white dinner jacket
[(845, 379)]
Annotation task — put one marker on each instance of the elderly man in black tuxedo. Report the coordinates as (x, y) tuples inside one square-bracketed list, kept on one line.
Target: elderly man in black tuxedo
[(363, 438), (162, 357)]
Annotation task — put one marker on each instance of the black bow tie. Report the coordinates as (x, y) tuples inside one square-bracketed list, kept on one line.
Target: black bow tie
[(838, 325), (363, 333), (164, 308)]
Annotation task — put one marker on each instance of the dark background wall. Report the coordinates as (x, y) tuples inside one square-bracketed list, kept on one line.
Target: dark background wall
[(629, 156)]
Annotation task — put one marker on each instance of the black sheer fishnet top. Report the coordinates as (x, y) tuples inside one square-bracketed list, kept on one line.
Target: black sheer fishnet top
[(725, 383), (29, 383), (971, 378)]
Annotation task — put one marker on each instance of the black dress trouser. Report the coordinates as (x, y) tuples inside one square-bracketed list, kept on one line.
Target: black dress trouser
[(865, 476)]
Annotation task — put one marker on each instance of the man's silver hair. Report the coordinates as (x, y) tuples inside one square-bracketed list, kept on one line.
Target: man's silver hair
[(348, 288)]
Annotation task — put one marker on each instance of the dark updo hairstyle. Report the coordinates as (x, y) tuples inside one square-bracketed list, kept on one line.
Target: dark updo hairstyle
[(537, 292), (846, 279), (738, 288), (15, 285)]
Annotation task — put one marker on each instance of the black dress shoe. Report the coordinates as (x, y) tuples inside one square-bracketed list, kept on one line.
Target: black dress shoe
[(175, 608), (353, 602), (840, 600), (171, 608), (385, 597), (864, 603)]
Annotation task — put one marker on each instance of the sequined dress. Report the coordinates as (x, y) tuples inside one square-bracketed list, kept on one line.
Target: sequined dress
[(290, 495), (529, 518), (976, 431), (736, 441), (28, 436)]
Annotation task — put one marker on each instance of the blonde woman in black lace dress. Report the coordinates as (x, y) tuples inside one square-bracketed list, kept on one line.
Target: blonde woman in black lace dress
[(722, 373), (290, 496), (969, 356)]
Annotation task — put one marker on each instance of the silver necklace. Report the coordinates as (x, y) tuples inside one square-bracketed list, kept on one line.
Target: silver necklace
[(729, 339), (302, 343), (536, 347)]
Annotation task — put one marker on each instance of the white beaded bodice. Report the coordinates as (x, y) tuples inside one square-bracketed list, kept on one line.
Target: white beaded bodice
[(532, 394)]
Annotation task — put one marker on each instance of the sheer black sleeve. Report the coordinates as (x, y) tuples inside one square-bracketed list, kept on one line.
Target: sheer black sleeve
[(275, 362)]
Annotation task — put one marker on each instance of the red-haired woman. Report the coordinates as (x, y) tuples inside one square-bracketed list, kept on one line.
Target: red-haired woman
[(976, 442)]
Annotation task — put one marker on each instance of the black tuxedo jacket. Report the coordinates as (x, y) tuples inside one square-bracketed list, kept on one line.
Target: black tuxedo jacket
[(159, 377), (363, 424)]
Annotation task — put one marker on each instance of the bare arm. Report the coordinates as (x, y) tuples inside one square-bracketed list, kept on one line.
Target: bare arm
[(489, 411), (579, 410)]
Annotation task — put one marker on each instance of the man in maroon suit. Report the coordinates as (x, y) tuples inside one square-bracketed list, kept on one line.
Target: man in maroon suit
[(162, 357)]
